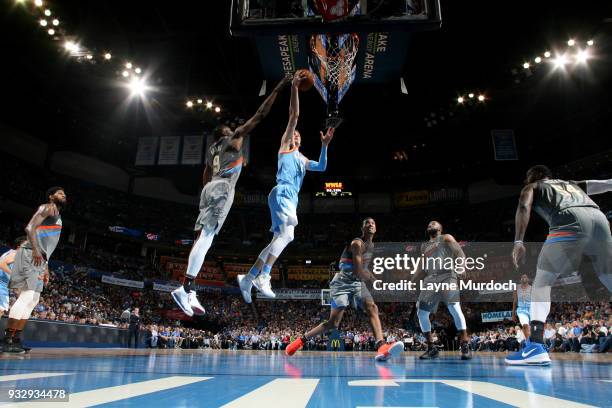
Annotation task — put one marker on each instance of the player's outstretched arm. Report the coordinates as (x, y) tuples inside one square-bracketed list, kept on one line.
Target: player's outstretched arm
[(321, 165), (593, 187), (521, 220), (262, 112), (294, 111)]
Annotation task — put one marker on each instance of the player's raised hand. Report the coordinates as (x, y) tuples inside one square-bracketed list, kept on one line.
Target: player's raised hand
[(298, 77), (328, 136), (518, 254)]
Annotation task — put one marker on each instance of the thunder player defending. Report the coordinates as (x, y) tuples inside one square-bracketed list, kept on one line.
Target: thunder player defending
[(348, 288), (283, 199), (30, 271), (7, 260), (576, 227), (437, 250), (521, 305), (223, 167)]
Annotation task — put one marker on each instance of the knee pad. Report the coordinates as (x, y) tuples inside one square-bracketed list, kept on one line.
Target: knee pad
[(455, 310), (424, 322), (25, 303)]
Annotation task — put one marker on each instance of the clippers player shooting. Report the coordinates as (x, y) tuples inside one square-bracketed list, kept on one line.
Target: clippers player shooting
[(30, 272), (577, 228), (347, 288), (221, 172), (283, 199), (437, 250)]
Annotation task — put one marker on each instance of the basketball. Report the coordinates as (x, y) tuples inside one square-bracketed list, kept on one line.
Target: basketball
[(308, 82)]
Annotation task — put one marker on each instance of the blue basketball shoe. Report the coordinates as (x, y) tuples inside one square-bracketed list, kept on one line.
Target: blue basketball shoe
[(531, 354)]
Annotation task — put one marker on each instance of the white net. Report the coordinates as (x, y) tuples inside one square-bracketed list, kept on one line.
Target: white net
[(336, 55)]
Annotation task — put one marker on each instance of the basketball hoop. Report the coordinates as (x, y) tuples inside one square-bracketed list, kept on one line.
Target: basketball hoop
[(333, 63)]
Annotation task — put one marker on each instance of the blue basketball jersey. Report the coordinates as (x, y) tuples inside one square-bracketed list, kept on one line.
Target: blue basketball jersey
[(523, 299), (291, 169), (4, 277)]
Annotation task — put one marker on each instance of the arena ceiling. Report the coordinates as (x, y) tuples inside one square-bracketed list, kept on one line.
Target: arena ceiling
[(187, 49)]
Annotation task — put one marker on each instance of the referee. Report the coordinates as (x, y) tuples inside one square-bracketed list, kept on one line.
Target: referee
[(134, 328)]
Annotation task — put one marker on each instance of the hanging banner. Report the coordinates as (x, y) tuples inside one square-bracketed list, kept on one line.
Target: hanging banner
[(169, 150), (192, 149), (504, 145), (122, 282), (146, 151)]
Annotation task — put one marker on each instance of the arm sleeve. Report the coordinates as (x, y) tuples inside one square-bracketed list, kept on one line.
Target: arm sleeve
[(321, 165), (598, 186)]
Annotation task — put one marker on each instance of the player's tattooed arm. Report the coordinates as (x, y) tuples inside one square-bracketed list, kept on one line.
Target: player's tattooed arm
[(39, 216), (6, 261), (357, 248), (262, 112), (521, 220)]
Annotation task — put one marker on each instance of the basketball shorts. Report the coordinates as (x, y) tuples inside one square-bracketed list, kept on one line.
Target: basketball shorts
[(216, 200), (283, 201), (346, 292), (26, 275), (430, 299), (576, 233), (523, 316)]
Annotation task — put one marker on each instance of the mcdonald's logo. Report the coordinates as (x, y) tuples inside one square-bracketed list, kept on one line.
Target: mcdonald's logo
[(335, 343)]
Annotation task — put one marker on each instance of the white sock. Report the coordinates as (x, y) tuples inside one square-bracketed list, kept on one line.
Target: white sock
[(198, 253)]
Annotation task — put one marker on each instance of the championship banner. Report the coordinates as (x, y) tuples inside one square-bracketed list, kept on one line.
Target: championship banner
[(294, 294), (504, 145), (490, 317), (411, 198), (146, 151), (122, 282), (192, 149), (169, 150)]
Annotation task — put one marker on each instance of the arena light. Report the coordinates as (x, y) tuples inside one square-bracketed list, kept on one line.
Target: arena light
[(108, 56), (128, 65), (560, 61), (590, 43), (38, 3), (571, 42), (51, 31), (55, 22), (460, 99), (209, 105), (526, 65), (547, 54), (471, 95), (43, 22), (125, 74), (47, 12), (481, 98), (71, 46), (200, 101), (189, 104), (89, 57), (582, 56), (137, 70), (138, 86), (538, 60), (217, 109)]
